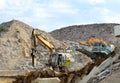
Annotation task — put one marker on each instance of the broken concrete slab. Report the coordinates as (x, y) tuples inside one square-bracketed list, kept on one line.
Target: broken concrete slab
[(96, 70), (6, 80), (117, 30), (46, 80), (91, 74), (13, 73)]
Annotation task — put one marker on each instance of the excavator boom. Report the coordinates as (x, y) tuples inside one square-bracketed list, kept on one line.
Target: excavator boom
[(92, 41), (46, 43), (39, 38)]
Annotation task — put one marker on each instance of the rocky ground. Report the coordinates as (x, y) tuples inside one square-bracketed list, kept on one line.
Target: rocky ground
[(114, 77), (16, 44)]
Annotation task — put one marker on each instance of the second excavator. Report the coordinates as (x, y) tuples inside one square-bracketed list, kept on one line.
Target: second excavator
[(96, 48)]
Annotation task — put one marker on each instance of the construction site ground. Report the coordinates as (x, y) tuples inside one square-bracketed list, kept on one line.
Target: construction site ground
[(113, 78), (16, 64), (27, 76)]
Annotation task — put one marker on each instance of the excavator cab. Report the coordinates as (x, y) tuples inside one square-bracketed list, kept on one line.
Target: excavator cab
[(99, 47), (57, 60)]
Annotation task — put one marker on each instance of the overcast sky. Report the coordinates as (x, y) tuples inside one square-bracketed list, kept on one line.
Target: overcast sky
[(49, 15)]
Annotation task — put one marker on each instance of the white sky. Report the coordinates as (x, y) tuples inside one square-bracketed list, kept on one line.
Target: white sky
[(49, 15)]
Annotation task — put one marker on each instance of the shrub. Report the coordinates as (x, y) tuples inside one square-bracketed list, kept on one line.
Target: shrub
[(3, 28), (17, 30)]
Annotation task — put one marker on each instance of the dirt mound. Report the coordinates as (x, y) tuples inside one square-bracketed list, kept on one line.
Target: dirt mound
[(15, 44), (84, 32)]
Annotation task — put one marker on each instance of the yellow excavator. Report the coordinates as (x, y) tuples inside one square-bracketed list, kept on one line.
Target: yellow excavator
[(56, 59)]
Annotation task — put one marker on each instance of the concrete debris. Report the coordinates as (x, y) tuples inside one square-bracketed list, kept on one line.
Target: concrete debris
[(104, 70), (46, 80)]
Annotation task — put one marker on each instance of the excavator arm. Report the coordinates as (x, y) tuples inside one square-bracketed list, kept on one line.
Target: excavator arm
[(39, 38), (46, 43)]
